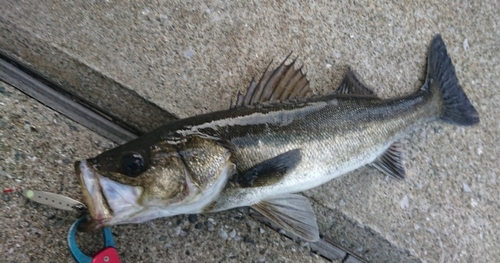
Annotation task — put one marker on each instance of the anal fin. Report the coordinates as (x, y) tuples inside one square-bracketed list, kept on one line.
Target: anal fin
[(391, 162), (269, 171), (292, 212)]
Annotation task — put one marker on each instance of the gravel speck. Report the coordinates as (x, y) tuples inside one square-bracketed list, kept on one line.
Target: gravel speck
[(58, 224), (189, 53), (239, 216), (251, 224), (192, 218), (248, 239), (223, 234), (180, 232), (466, 188), (405, 202), (232, 234), (162, 19)]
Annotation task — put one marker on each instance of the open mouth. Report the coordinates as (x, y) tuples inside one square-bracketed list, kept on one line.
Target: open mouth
[(92, 194), (109, 202)]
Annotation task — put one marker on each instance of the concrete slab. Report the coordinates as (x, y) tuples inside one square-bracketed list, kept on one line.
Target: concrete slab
[(192, 57)]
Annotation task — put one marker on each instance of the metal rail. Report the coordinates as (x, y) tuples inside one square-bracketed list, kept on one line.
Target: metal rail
[(56, 98), (65, 103)]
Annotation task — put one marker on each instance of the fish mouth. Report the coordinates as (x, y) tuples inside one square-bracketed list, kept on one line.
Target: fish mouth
[(92, 195), (111, 203), (108, 201)]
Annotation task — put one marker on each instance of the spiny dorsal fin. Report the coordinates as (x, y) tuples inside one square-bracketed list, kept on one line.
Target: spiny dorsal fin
[(352, 84), (293, 213), (283, 83), (391, 162), (269, 171)]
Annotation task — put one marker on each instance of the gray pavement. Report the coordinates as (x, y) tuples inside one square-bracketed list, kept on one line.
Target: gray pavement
[(192, 57)]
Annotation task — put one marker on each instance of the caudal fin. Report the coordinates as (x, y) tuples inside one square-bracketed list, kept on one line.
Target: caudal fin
[(442, 80)]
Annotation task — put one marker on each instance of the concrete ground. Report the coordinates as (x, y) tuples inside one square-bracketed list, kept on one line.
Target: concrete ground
[(191, 57)]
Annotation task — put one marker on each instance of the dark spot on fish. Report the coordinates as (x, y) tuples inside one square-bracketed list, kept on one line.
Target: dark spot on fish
[(188, 253)]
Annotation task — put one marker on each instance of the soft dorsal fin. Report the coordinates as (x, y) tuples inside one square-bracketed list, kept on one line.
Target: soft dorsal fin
[(283, 83), (293, 213), (352, 84), (269, 171), (391, 162)]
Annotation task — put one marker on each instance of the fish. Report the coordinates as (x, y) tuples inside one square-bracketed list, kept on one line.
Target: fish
[(277, 140)]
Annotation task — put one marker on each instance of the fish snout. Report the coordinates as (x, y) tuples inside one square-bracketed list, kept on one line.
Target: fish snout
[(89, 180)]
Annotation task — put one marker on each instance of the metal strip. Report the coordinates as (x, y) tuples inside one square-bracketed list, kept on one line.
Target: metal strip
[(62, 104)]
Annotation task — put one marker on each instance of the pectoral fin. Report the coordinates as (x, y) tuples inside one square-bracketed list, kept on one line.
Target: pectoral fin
[(391, 162), (269, 171), (293, 213)]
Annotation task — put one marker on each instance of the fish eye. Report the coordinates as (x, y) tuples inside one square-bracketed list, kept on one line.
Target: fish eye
[(133, 164)]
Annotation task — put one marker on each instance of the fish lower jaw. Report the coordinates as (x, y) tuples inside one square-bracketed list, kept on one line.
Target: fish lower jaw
[(93, 196)]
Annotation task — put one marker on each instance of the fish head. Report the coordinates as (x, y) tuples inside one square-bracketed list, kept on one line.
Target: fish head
[(140, 181)]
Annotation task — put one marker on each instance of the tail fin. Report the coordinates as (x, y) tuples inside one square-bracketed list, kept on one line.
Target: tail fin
[(441, 79)]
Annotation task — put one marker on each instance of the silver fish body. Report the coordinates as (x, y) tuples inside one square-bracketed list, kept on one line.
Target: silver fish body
[(334, 135), (262, 151)]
